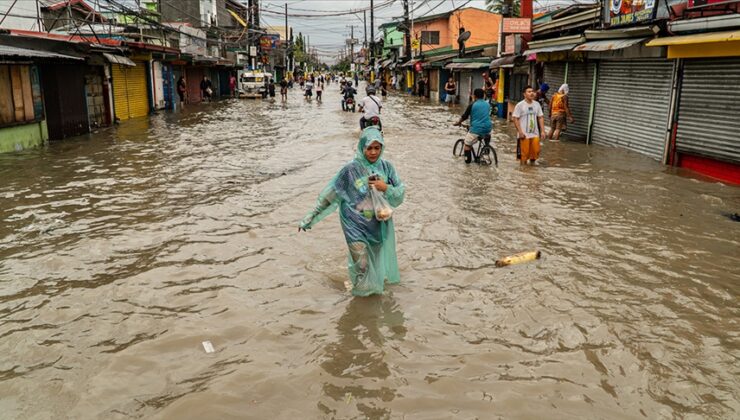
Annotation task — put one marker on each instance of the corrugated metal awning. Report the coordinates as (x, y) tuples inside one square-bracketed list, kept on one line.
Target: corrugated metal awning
[(554, 48), (608, 44), (440, 58), (438, 61), (119, 59), (460, 66), (705, 38), (410, 62), (7, 51), (504, 62)]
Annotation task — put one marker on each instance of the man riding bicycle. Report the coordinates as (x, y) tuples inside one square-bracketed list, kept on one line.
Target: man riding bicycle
[(370, 107), (479, 113)]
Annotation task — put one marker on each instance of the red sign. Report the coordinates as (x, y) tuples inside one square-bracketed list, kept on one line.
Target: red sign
[(517, 25), (417, 67), (700, 3), (510, 44)]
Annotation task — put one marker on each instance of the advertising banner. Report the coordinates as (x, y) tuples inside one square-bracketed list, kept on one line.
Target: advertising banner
[(268, 42), (631, 12), (517, 25)]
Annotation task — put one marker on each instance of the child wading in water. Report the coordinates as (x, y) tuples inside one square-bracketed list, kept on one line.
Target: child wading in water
[(372, 243)]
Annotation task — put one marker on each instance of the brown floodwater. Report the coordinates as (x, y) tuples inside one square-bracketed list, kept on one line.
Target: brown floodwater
[(122, 251)]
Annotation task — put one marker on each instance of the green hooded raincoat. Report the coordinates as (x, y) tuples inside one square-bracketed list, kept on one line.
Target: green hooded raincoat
[(372, 244)]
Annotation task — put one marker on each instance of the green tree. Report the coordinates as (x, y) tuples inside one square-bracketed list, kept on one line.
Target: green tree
[(497, 6), (299, 49)]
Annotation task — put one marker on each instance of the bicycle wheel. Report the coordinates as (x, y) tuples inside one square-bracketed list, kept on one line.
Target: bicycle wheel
[(485, 157), (495, 156), (457, 151)]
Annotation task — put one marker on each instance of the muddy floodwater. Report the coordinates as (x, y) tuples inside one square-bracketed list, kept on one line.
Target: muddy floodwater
[(123, 251)]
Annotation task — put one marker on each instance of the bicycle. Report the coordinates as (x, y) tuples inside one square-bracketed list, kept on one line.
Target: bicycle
[(485, 154)]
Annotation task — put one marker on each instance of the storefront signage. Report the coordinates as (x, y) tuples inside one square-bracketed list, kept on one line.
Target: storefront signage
[(517, 25), (700, 3), (513, 44), (268, 42), (631, 12)]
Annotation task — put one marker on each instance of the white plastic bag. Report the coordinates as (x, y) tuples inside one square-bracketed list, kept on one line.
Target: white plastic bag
[(381, 207)]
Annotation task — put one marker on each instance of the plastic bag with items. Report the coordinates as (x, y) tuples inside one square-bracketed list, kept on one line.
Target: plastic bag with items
[(382, 209)]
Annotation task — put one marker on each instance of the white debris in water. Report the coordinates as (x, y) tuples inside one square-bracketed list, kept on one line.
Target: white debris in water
[(208, 347)]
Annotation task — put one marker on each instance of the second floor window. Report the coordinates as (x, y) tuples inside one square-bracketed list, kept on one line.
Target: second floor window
[(430, 37)]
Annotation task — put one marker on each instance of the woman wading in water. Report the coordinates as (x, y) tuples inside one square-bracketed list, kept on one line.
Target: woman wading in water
[(369, 233)]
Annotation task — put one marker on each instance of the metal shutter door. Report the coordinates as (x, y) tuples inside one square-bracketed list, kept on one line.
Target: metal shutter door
[(580, 82), (554, 76), (632, 100), (138, 97), (708, 119), (120, 91)]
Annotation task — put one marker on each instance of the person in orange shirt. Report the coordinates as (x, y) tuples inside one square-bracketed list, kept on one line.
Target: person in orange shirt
[(559, 112)]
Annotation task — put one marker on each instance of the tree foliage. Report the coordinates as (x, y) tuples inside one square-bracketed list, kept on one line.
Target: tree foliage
[(497, 6), (299, 49)]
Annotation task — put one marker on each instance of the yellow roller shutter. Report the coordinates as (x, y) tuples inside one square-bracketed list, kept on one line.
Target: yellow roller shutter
[(120, 91), (138, 97)]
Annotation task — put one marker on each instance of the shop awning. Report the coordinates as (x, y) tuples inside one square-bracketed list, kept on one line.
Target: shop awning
[(553, 48), (119, 59), (410, 62), (503, 62), (8, 51), (385, 62), (462, 66), (705, 38), (439, 58), (608, 44)]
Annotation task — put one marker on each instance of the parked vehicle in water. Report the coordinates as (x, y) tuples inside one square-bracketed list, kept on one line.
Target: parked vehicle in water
[(253, 84)]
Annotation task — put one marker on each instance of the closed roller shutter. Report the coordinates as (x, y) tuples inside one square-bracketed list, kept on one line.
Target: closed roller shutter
[(129, 91), (120, 91), (580, 82), (632, 100), (709, 122), (138, 96), (554, 76)]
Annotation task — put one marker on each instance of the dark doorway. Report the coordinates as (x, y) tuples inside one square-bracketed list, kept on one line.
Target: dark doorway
[(64, 96)]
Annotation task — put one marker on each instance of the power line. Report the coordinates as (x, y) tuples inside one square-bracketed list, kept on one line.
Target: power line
[(330, 14)]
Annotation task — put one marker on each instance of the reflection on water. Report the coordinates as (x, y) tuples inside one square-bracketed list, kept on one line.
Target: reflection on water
[(122, 251), (357, 360)]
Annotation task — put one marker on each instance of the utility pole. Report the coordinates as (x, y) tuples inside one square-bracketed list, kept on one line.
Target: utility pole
[(372, 34), (364, 22), (407, 30), (351, 43), (287, 43), (412, 22)]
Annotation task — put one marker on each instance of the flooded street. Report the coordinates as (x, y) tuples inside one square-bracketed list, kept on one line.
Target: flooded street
[(121, 252)]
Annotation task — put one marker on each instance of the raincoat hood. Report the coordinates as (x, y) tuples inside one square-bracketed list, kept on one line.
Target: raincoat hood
[(544, 87), (564, 88), (369, 135)]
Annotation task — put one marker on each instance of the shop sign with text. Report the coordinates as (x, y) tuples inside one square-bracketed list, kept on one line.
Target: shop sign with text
[(517, 25), (630, 12)]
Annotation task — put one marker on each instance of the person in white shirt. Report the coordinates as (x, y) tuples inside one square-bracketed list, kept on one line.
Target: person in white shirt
[(370, 107), (309, 89), (530, 126)]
